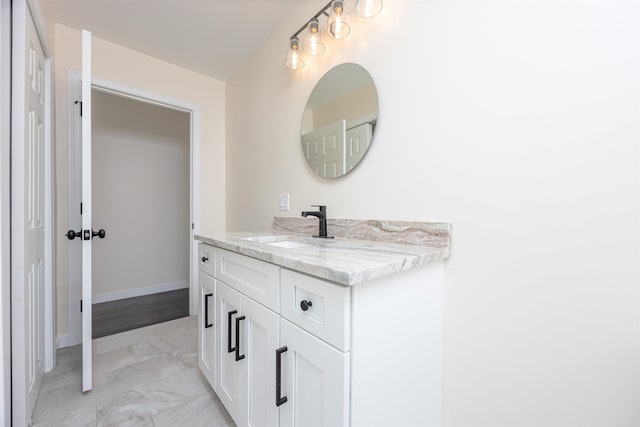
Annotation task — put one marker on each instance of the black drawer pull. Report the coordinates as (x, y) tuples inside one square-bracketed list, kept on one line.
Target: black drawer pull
[(305, 305), (229, 348), (238, 356), (206, 311), (283, 399)]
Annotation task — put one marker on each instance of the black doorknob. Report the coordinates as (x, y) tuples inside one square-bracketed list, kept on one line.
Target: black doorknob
[(304, 305), (73, 234), (204, 259), (100, 233)]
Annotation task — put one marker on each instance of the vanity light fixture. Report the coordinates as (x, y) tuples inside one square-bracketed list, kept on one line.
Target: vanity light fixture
[(313, 46), (337, 27), (293, 57), (368, 8)]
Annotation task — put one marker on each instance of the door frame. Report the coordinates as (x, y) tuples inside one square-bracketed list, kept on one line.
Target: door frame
[(5, 212), (149, 97), (21, 11)]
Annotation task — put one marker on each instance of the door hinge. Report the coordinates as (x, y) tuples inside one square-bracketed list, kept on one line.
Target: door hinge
[(80, 306), (79, 102), (193, 226), (80, 208)]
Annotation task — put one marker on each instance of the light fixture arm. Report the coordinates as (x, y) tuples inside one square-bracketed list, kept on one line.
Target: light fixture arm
[(322, 11)]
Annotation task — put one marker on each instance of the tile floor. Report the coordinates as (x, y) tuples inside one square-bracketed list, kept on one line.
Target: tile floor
[(144, 377)]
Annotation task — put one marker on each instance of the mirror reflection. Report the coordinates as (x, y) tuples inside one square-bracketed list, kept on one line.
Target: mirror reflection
[(339, 120)]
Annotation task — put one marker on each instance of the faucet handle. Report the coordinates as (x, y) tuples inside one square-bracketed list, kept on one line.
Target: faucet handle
[(321, 207)]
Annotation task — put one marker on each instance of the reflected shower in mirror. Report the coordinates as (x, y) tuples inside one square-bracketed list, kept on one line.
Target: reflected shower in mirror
[(339, 120)]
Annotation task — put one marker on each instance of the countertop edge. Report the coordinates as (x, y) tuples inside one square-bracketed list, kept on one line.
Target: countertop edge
[(400, 261)]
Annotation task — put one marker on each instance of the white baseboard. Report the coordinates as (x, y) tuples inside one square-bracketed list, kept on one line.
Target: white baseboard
[(62, 341), (137, 292)]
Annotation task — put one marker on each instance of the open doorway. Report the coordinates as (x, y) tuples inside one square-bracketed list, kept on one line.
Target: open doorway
[(142, 98), (140, 180)]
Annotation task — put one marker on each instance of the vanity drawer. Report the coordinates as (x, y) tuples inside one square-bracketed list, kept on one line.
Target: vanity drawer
[(206, 259), (256, 279), (329, 312)]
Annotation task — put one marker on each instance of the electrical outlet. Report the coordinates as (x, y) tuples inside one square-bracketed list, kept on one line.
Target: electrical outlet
[(284, 202)]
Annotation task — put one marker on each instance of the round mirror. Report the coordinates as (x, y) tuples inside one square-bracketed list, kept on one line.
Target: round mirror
[(339, 120)]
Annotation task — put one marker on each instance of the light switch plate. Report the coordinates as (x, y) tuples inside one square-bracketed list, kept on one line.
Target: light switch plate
[(284, 202)]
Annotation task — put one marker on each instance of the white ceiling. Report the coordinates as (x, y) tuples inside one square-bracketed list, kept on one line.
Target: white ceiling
[(212, 37)]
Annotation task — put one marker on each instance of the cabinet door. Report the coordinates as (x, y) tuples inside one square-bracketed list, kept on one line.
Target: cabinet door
[(315, 380), (259, 340), (227, 367), (206, 330)]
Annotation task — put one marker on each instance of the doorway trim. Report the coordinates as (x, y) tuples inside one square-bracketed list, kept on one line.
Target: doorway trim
[(130, 92)]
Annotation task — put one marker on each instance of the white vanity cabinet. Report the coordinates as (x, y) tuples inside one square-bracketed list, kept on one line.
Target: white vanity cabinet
[(293, 350), (248, 293)]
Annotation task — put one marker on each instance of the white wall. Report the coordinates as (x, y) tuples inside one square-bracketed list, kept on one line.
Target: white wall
[(140, 196), (128, 67), (519, 123), (5, 209)]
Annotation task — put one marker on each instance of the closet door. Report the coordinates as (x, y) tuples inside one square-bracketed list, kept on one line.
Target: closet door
[(357, 144), (27, 216), (324, 149)]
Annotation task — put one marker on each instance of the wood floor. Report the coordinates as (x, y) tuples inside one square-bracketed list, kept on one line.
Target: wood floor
[(131, 313)]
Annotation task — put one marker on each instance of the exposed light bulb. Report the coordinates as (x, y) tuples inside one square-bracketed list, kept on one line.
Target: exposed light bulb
[(313, 46), (368, 8), (338, 27), (294, 61)]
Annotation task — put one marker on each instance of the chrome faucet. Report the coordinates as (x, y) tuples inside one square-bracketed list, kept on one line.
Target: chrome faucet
[(321, 214)]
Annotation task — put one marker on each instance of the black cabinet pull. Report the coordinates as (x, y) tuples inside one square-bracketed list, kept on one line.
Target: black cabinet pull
[(229, 348), (305, 305), (238, 355), (206, 311), (283, 399), (204, 259)]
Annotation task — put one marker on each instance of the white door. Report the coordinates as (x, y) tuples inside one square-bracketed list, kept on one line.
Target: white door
[(206, 330), (315, 381), (87, 230), (228, 355), (259, 340), (324, 149), (85, 235), (357, 143), (27, 218)]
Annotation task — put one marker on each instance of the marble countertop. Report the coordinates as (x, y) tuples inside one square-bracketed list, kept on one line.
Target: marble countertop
[(340, 260)]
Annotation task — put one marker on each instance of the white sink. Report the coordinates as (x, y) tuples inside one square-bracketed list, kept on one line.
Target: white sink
[(268, 239), (280, 241), (288, 244)]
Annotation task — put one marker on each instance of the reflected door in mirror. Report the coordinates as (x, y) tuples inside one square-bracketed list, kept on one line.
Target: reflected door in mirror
[(339, 120)]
